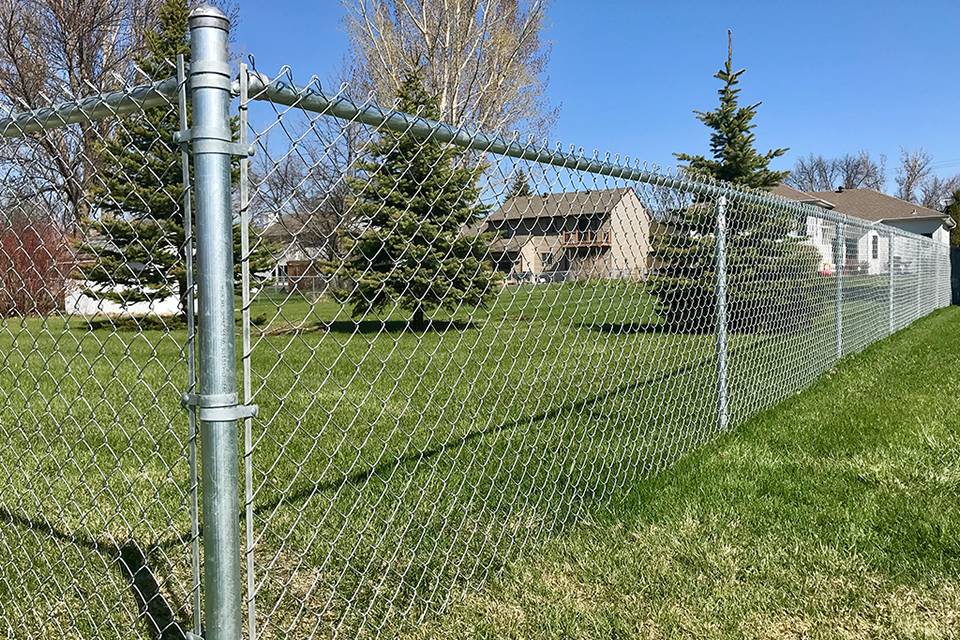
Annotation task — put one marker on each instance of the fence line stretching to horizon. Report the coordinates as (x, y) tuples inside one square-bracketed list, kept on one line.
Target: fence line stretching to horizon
[(452, 346)]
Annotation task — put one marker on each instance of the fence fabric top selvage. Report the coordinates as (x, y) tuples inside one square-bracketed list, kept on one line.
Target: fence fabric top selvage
[(277, 91)]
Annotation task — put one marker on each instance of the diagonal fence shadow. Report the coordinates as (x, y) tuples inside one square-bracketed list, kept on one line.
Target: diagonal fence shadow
[(360, 477), (166, 622), (162, 621)]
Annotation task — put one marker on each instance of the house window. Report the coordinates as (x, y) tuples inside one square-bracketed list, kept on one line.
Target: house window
[(875, 247)]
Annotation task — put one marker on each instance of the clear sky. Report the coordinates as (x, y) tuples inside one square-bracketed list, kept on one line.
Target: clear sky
[(834, 77)]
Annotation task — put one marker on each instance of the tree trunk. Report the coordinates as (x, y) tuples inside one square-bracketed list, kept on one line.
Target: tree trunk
[(419, 322), (184, 299)]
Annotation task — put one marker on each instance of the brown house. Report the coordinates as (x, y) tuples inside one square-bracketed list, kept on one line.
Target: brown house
[(302, 241), (573, 235)]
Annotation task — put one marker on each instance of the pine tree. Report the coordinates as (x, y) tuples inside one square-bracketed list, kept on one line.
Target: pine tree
[(734, 158), (769, 270), (953, 210), (416, 197), (138, 234), (520, 186)]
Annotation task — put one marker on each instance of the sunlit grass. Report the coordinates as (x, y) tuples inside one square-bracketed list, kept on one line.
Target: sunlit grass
[(833, 515), (394, 471)]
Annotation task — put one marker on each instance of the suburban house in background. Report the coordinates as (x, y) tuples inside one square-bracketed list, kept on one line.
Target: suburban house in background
[(871, 205), (301, 244), (867, 250), (608, 233), (572, 235)]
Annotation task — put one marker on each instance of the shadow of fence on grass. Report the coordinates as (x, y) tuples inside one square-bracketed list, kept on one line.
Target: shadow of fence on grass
[(161, 620), (362, 476), (131, 559)]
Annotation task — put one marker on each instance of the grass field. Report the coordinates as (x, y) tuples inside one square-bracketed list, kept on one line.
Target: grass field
[(834, 515), (394, 472)]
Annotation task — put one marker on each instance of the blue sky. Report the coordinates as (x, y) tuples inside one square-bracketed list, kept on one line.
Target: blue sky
[(834, 77)]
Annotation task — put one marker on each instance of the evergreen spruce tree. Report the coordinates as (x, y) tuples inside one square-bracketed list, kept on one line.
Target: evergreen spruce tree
[(416, 198), (769, 270), (137, 236), (520, 186), (734, 158), (953, 210)]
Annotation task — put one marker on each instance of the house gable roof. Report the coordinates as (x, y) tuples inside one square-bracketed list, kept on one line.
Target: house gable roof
[(869, 204), (786, 191), (552, 205)]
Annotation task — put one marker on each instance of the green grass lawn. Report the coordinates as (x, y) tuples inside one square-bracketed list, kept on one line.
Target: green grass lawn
[(394, 473), (834, 515)]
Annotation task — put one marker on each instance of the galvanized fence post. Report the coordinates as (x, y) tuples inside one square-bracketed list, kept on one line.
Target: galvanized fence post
[(217, 406), (840, 260), (890, 243), (919, 286), (723, 412)]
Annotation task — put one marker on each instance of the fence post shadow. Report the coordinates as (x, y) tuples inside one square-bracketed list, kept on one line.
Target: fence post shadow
[(160, 619)]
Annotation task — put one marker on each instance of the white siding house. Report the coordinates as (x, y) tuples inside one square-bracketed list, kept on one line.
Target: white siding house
[(866, 250)]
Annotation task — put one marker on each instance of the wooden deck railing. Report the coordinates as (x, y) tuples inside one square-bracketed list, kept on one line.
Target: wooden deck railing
[(588, 238)]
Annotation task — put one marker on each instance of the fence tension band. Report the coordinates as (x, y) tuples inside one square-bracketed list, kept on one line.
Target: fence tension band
[(214, 145), (222, 407)]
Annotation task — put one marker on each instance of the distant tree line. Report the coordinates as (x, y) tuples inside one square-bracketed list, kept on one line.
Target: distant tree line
[(914, 176)]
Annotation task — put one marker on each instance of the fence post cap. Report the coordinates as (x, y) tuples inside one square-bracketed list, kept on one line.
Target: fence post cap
[(207, 15)]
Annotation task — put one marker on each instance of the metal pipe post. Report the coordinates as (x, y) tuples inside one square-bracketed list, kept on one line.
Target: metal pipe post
[(890, 268), (211, 142), (188, 297), (723, 411), (840, 259)]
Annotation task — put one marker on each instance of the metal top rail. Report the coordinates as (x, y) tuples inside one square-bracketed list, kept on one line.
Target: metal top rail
[(282, 90), (104, 105)]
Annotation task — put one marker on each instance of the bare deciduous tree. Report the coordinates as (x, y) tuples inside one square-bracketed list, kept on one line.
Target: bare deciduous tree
[(850, 171), (914, 170), (483, 59), (303, 186), (53, 50), (57, 50), (860, 171), (937, 193), (304, 194), (813, 173)]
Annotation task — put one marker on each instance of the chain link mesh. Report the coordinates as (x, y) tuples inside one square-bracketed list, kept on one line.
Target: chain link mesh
[(462, 345), (96, 488)]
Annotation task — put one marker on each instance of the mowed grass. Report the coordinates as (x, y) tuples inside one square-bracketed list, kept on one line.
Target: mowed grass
[(394, 472), (834, 515)]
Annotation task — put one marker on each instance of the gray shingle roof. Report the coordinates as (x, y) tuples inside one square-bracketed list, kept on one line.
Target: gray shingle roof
[(571, 203), (786, 191), (868, 204)]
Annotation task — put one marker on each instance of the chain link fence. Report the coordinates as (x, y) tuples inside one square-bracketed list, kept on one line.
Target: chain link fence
[(450, 347), (98, 492)]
